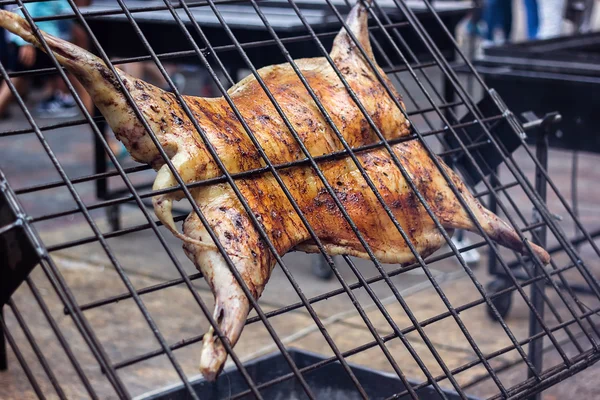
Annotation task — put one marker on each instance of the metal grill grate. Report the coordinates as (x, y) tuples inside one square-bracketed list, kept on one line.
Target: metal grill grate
[(437, 102)]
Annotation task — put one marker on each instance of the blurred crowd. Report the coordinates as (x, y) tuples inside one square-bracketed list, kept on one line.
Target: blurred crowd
[(56, 101), (543, 18), (18, 55)]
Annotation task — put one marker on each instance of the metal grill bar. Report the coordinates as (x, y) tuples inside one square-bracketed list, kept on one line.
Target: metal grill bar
[(257, 171), (511, 364), (37, 351), (61, 339), (555, 374), (152, 193), (78, 122), (443, 108), (15, 348)]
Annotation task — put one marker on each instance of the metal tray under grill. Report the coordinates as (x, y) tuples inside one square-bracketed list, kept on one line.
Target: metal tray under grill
[(329, 382)]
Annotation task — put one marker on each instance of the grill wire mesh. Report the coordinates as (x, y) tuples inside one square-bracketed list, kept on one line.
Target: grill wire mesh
[(434, 119)]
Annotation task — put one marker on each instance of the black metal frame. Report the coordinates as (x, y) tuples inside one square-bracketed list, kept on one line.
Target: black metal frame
[(538, 276)]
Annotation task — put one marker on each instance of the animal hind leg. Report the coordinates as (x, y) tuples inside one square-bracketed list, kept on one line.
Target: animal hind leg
[(244, 246), (163, 203), (454, 216)]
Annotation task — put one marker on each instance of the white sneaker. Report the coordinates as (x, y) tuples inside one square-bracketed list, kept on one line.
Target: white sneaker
[(471, 257)]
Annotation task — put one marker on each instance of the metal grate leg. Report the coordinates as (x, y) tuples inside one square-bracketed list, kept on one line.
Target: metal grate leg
[(3, 358), (536, 351)]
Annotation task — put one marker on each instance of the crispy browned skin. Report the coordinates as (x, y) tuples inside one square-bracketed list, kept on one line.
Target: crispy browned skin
[(223, 209), (185, 146)]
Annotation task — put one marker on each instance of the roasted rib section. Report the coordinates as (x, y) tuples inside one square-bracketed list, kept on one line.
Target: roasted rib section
[(191, 158)]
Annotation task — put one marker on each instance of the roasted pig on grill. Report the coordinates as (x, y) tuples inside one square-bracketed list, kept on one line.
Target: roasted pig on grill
[(223, 210)]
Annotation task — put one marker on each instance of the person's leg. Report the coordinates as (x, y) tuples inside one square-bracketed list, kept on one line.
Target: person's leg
[(155, 75), (533, 18), (490, 16), (551, 18), (6, 95), (135, 69), (506, 12)]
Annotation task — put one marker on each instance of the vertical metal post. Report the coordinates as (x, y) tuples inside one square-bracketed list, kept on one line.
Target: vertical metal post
[(3, 356), (493, 207), (113, 212), (100, 161), (574, 198), (449, 92), (537, 289)]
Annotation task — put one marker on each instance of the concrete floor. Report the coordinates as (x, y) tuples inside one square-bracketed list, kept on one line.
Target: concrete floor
[(123, 332)]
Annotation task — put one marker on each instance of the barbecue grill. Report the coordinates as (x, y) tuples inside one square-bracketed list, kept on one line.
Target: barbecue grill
[(58, 345), (550, 70)]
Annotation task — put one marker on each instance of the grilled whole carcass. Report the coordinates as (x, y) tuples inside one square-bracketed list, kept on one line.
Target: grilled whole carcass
[(223, 210)]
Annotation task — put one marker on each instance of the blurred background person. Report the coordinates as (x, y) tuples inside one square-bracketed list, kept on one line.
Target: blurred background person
[(148, 71), (498, 16), (21, 56)]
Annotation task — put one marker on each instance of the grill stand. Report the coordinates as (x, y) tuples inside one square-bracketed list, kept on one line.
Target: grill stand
[(545, 127), (537, 289)]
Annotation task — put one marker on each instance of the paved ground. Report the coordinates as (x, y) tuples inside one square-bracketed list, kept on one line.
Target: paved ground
[(123, 332)]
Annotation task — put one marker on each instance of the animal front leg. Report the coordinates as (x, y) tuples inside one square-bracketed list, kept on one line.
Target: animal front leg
[(163, 203)]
